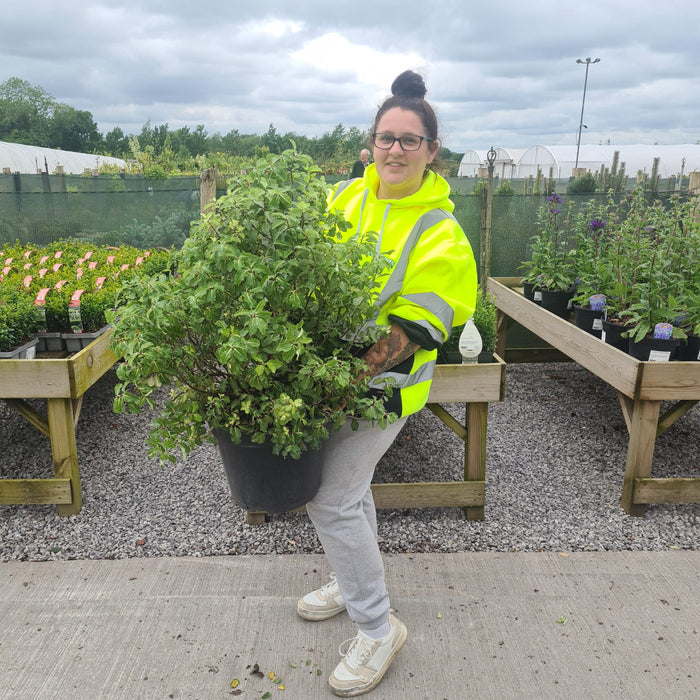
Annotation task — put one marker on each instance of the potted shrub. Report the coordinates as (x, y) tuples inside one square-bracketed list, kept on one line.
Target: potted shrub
[(257, 335), (551, 265), (593, 272), (16, 324), (485, 321)]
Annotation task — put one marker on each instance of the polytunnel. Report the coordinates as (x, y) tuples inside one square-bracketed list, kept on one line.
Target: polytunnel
[(471, 162), (19, 158)]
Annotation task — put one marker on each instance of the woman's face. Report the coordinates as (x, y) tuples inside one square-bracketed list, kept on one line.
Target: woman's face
[(401, 172)]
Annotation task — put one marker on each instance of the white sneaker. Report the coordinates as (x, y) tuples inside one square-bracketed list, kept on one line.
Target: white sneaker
[(322, 603), (366, 660)]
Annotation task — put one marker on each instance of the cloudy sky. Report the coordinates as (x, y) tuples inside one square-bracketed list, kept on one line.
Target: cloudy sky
[(499, 72)]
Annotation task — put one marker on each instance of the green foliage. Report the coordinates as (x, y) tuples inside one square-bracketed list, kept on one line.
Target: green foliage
[(551, 263), (29, 115), (485, 320), (62, 268), (16, 317), (255, 333), (504, 188), (645, 258), (160, 233), (584, 184)]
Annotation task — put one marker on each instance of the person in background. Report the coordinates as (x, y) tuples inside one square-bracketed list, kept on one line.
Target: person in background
[(358, 169), (430, 287)]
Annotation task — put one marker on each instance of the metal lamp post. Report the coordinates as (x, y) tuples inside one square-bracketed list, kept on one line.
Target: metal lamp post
[(588, 62)]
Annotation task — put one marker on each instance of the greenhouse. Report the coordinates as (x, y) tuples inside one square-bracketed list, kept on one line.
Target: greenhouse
[(471, 162), (19, 158), (559, 161)]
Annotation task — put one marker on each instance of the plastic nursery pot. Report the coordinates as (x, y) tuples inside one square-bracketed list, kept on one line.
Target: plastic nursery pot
[(529, 291), (612, 335), (261, 481), (689, 349), (589, 320), (653, 349), (26, 351), (558, 303)]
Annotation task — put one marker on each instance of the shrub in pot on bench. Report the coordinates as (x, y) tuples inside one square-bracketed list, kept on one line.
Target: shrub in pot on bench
[(254, 336)]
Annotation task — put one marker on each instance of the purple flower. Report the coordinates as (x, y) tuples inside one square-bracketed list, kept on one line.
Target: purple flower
[(597, 225), (554, 198)]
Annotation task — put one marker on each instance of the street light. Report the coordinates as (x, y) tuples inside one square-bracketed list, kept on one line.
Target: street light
[(588, 62)]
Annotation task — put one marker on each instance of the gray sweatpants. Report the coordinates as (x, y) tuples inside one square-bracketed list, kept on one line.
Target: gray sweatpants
[(345, 519)]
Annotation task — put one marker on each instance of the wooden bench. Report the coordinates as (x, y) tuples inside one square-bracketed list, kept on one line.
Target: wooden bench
[(640, 386), (62, 383), (475, 386)]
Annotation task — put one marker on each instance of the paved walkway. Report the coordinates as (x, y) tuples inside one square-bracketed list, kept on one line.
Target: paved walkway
[(481, 625)]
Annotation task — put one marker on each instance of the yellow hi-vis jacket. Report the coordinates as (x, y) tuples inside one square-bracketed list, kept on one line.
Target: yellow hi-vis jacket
[(432, 283)]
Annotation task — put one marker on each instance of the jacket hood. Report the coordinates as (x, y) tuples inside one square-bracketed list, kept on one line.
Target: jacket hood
[(434, 193)]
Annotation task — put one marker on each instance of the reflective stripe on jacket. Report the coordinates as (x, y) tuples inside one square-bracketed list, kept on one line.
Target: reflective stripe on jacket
[(431, 286)]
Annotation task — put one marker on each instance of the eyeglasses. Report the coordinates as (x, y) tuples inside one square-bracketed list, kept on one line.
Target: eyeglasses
[(408, 142)]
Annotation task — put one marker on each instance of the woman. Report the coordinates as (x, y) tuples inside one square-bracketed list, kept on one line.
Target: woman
[(431, 288)]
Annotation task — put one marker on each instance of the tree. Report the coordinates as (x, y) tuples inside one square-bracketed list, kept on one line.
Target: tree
[(25, 113), (74, 130), (273, 141), (116, 143)]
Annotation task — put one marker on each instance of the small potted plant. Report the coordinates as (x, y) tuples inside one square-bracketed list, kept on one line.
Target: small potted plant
[(16, 325), (256, 337), (593, 273), (485, 321), (551, 265)]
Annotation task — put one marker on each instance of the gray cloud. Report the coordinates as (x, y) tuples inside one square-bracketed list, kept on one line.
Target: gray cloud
[(500, 73)]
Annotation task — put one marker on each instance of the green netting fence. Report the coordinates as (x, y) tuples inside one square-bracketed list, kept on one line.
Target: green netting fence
[(112, 210), (132, 210)]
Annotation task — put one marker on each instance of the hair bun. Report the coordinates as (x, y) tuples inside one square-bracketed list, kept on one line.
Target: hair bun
[(409, 84)]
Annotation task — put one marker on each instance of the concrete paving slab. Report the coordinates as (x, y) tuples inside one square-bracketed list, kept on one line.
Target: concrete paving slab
[(481, 625)]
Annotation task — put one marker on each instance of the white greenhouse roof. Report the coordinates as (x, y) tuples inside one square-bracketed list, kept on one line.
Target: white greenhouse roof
[(560, 160), (471, 162), (32, 159)]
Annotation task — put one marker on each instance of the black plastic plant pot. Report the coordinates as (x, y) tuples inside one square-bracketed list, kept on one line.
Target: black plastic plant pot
[(689, 349), (613, 335), (589, 320), (261, 481), (529, 290), (556, 302), (653, 349)]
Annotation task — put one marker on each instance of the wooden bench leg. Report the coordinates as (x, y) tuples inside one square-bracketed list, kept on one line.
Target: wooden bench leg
[(64, 451), (642, 422), (475, 422)]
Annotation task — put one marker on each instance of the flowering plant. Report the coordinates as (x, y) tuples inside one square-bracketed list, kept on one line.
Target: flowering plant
[(551, 264)]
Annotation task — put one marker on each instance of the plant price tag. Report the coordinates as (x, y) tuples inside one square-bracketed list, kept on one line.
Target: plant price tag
[(76, 322)]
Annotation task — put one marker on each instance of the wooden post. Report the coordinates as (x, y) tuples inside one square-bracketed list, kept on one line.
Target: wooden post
[(475, 422), (694, 184), (207, 188)]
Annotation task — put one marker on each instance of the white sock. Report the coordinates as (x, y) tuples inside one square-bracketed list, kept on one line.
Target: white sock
[(378, 632)]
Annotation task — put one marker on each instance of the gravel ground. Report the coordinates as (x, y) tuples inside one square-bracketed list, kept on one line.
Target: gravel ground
[(556, 455)]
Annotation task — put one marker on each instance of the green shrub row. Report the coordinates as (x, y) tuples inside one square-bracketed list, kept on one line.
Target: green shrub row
[(38, 282)]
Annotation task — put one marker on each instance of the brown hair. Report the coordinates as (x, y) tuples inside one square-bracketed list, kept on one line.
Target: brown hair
[(408, 92)]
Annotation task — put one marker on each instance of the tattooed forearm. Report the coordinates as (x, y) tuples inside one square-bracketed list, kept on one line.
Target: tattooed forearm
[(389, 351)]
